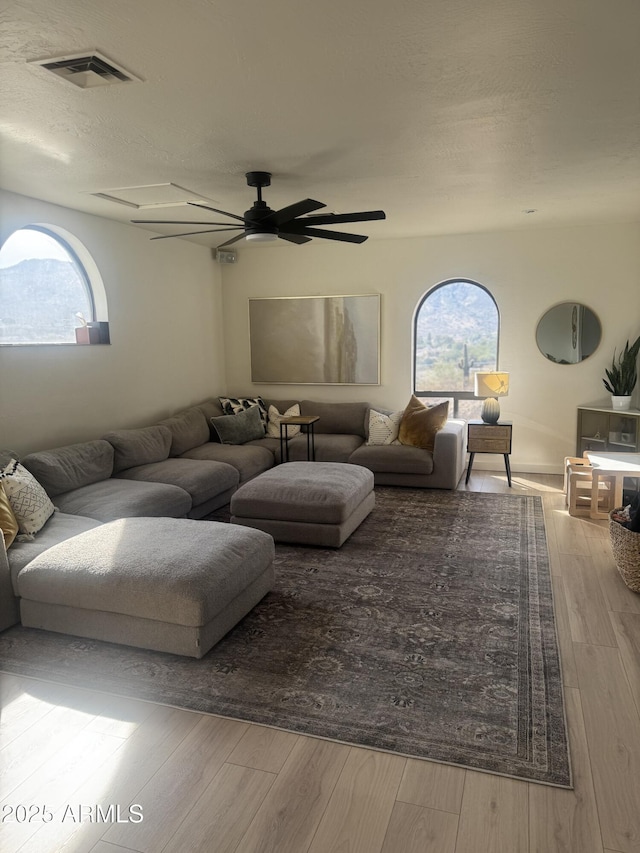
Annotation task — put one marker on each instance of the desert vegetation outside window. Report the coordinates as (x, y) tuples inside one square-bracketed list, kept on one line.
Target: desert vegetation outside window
[(456, 330)]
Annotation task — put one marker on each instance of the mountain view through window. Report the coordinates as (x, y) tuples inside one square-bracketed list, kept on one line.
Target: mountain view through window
[(44, 292), (456, 335)]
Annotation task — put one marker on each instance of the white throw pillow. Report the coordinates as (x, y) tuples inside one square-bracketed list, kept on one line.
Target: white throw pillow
[(30, 503), (273, 425), (383, 429)]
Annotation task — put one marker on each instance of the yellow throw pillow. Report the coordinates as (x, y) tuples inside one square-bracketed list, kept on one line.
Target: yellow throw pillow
[(420, 424), (8, 522)]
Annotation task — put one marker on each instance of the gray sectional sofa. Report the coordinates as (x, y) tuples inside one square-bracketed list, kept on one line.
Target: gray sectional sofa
[(178, 469)]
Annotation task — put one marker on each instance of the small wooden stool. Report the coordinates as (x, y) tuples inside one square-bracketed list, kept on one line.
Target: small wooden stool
[(579, 495)]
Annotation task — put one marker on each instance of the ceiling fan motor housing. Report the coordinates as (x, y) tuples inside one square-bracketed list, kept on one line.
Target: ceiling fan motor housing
[(255, 215)]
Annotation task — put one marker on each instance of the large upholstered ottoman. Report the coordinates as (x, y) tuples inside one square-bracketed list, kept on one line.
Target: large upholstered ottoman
[(309, 503), (169, 584)]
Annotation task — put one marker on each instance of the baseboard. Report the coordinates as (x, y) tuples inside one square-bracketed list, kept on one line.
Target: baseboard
[(496, 464)]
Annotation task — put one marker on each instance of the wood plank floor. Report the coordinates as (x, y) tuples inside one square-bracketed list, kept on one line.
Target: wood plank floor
[(67, 756)]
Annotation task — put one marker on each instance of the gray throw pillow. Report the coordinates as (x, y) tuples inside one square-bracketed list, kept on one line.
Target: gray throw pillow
[(238, 429)]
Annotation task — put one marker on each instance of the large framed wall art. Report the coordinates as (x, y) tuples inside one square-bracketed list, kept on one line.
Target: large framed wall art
[(315, 340)]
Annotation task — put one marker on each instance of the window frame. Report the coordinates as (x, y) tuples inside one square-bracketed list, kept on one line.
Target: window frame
[(456, 395), (91, 281)]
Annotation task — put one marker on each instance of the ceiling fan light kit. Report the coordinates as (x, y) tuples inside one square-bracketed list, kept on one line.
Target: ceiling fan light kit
[(261, 237), (261, 224)]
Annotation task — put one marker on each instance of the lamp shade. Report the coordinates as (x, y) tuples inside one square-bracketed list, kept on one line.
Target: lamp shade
[(493, 384)]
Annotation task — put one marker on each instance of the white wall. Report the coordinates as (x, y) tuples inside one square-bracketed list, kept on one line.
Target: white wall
[(166, 347), (527, 271)]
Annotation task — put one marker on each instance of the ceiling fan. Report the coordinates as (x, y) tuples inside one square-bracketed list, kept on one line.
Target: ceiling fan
[(261, 224)]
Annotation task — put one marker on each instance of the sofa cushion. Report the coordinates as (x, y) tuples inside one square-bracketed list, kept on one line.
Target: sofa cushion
[(281, 405), (211, 409), (203, 479), (71, 467), (30, 503), (188, 429), (118, 498), (393, 459), (328, 448), (59, 527), (139, 446), (420, 424), (247, 459), (246, 425), (180, 572), (339, 418), (8, 521), (271, 444)]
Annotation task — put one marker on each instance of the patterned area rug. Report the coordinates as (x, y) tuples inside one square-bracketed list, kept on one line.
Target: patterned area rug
[(430, 633)]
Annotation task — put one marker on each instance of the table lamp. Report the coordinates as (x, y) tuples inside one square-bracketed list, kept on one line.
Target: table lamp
[(491, 386)]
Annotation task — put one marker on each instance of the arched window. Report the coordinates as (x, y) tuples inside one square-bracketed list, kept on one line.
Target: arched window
[(456, 328), (45, 291)]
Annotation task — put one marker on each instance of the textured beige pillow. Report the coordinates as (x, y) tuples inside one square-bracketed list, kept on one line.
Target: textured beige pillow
[(383, 429), (420, 424), (273, 427), (8, 522), (30, 503)]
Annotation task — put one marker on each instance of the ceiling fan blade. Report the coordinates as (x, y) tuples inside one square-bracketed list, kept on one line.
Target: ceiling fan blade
[(223, 212), (229, 242), (177, 222), (335, 218), (192, 233), (287, 214), (332, 235), (295, 238)]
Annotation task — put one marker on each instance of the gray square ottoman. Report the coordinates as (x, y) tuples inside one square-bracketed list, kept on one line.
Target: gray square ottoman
[(309, 503), (169, 584)]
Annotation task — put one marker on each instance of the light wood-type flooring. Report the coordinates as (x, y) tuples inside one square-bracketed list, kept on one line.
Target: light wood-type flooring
[(222, 786)]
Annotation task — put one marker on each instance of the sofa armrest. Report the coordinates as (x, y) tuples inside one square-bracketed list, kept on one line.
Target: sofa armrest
[(9, 608), (449, 453)]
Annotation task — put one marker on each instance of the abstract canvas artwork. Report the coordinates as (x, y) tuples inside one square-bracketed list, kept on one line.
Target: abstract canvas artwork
[(313, 340)]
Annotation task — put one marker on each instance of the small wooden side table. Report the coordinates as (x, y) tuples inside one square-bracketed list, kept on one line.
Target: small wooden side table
[(308, 421), (489, 438)]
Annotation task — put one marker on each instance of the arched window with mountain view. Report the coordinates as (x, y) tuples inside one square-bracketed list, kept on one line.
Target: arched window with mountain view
[(46, 292), (456, 330)]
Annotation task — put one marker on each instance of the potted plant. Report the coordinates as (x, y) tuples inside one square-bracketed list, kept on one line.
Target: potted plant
[(623, 375)]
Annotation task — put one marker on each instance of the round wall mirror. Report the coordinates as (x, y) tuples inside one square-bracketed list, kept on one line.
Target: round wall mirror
[(568, 333)]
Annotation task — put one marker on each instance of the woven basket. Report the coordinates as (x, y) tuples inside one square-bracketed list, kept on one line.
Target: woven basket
[(625, 544)]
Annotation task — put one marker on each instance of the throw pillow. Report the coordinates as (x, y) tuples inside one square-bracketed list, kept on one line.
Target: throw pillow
[(420, 424), (383, 429), (8, 521), (241, 428), (30, 503), (234, 405), (273, 426)]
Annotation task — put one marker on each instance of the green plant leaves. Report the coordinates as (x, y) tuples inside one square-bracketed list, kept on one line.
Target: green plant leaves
[(623, 373)]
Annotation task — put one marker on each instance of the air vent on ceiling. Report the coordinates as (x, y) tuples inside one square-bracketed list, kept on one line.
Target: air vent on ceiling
[(87, 70)]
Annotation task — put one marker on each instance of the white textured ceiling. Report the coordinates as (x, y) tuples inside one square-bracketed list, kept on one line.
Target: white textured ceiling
[(451, 115)]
